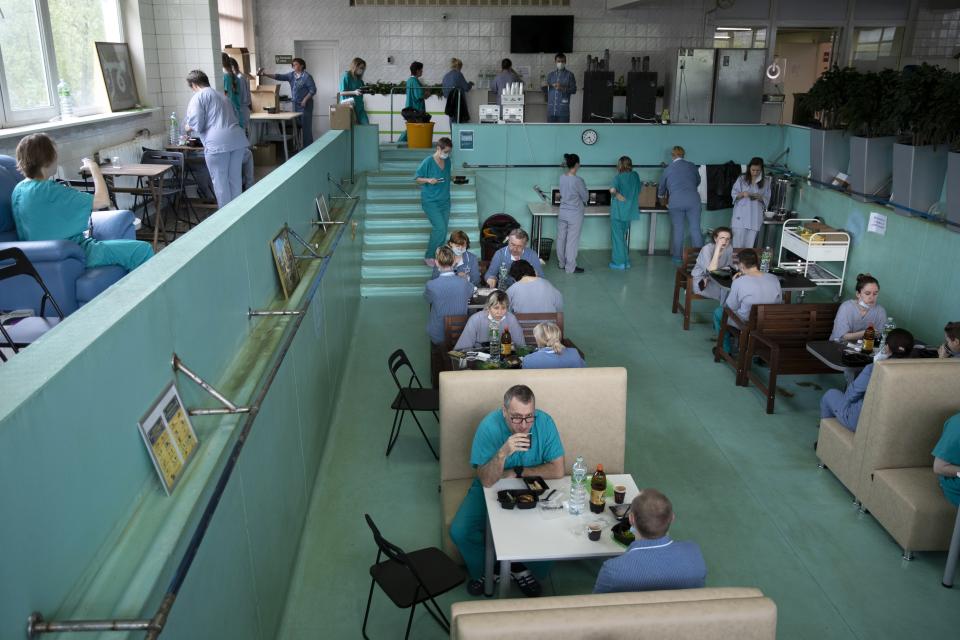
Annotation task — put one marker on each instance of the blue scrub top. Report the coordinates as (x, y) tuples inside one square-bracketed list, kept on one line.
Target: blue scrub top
[(493, 431), (454, 79), (349, 82), (415, 95), (680, 180), (948, 448), (48, 210), (232, 89), (558, 100), (300, 87), (627, 184), (439, 192)]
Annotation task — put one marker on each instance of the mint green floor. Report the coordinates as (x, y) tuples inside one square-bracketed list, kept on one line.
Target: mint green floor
[(744, 485)]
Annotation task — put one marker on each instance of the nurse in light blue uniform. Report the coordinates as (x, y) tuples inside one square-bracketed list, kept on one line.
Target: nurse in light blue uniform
[(751, 286), (506, 77), (415, 96), (47, 210), (351, 82), (855, 315), (433, 175), (477, 330), (713, 256), (551, 353), (302, 91), (466, 263), (624, 209), (211, 117), (680, 181), (561, 84), (751, 195), (573, 197)]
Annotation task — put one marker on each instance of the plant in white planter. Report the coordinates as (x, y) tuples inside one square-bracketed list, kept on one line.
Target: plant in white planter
[(829, 150), (920, 158), (951, 116), (872, 117)]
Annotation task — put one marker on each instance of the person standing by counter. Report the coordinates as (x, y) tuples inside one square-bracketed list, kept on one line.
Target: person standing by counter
[(504, 78), (751, 195), (302, 90), (455, 87), (680, 181), (415, 97), (624, 209), (351, 83), (573, 198), (561, 84), (433, 175)]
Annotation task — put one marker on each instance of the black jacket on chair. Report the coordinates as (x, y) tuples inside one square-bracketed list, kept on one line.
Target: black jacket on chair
[(720, 179), (455, 99)]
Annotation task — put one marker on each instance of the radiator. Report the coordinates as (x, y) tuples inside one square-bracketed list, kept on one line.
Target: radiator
[(130, 152)]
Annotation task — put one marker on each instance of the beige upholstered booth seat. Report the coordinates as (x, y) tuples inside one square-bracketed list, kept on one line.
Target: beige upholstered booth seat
[(887, 464), (689, 614), (589, 407)]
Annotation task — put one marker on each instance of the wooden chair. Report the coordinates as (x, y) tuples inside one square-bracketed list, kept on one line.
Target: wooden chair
[(780, 338), (683, 279), (530, 320), (741, 328), (452, 328)]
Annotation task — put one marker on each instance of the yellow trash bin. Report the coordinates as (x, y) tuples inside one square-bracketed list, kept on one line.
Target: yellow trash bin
[(420, 135)]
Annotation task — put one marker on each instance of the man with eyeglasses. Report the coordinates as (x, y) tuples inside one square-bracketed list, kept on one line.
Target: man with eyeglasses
[(512, 441), (516, 249)]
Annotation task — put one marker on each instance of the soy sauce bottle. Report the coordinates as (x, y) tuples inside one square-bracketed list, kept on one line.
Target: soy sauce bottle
[(506, 343), (869, 336), (598, 487)]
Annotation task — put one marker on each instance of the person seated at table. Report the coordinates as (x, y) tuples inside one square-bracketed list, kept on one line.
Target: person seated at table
[(515, 440), (946, 459), (713, 256), (855, 315), (951, 341), (447, 295), (477, 330), (750, 286), (551, 353), (845, 406), (662, 562), (465, 264), (530, 293), (47, 210), (516, 249)]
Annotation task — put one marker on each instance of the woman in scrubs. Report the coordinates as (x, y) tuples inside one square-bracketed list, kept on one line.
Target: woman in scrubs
[(302, 90), (476, 332), (433, 175), (573, 197), (624, 209), (47, 210), (415, 96), (551, 353), (855, 315), (713, 256), (231, 87), (751, 195), (351, 83)]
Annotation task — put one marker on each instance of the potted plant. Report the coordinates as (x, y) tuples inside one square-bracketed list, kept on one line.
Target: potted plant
[(952, 120), (920, 157), (872, 118), (829, 151)]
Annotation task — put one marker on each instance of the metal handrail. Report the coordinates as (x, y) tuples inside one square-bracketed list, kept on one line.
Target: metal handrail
[(154, 626)]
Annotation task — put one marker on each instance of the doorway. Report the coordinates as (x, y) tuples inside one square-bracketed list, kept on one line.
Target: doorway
[(323, 63), (803, 54)]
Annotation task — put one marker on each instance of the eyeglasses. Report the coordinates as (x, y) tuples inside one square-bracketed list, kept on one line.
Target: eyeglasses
[(522, 419)]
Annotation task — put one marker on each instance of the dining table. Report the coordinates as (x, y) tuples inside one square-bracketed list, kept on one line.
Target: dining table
[(790, 281), (152, 174)]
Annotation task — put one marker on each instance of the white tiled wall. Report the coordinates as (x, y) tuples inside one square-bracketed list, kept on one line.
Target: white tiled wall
[(938, 34), (479, 36)]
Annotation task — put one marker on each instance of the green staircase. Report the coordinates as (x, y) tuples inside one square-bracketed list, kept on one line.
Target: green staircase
[(396, 229)]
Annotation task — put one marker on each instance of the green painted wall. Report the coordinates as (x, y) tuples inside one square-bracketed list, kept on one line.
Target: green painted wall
[(87, 531)]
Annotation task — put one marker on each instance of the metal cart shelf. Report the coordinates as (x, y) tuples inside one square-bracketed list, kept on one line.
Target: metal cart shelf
[(812, 249)]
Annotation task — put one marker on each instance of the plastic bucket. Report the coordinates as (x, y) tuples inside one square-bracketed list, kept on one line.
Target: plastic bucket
[(419, 135)]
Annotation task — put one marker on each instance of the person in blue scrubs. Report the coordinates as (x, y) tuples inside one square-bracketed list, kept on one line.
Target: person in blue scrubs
[(416, 98), (946, 459), (624, 209), (246, 98), (751, 195), (212, 118), (351, 85), (713, 256), (679, 181), (447, 295), (951, 341), (573, 198), (466, 264), (506, 76), (750, 286), (515, 250), (302, 91), (854, 316), (561, 84), (551, 353), (513, 441), (454, 79), (433, 175), (845, 406), (47, 210)]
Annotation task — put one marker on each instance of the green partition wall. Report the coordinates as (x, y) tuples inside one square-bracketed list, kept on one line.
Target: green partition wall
[(87, 530)]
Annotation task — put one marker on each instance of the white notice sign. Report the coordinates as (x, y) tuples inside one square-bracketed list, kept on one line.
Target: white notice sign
[(877, 223)]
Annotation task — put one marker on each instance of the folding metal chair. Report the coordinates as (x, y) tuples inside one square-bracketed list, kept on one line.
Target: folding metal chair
[(410, 398), (22, 332)]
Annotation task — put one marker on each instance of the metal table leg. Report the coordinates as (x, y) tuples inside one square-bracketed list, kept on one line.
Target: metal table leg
[(158, 214), (953, 555), (504, 590), (652, 240), (283, 132), (489, 559)]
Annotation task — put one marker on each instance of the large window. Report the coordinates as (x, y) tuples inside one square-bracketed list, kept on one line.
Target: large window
[(877, 48), (45, 41)]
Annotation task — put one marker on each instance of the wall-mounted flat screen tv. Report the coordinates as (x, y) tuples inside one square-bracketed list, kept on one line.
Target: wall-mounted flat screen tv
[(541, 34)]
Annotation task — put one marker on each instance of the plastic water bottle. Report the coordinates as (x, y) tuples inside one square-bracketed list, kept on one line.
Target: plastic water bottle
[(66, 102), (494, 327), (174, 129), (765, 259), (578, 488), (502, 280), (888, 326)]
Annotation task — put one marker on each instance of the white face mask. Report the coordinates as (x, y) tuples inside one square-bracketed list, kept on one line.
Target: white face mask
[(636, 534), (560, 66), (444, 155), (863, 304), (458, 251), (881, 355)]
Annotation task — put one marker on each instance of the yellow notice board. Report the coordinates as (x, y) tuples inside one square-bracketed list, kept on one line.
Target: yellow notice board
[(169, 436)]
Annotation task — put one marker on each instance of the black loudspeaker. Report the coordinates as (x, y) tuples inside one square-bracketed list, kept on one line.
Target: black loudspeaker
[(597, 96), (641, 96)]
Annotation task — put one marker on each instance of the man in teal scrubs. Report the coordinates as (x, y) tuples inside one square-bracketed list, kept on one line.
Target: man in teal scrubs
[(513, 441), (433, 175), (946, 460), (415, 98)]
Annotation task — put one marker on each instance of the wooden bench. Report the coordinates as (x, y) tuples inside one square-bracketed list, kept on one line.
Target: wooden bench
[(780, 336), (683, 280)]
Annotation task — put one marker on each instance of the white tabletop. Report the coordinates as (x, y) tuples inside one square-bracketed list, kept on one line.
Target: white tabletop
[(526, 535), (280, 115), (548, 210)]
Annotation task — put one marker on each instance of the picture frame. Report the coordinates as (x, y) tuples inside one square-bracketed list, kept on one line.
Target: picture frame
[(323, 210), (285, 261), (118, 75)]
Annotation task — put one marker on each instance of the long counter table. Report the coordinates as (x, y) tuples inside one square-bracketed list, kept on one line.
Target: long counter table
[(541, 210)]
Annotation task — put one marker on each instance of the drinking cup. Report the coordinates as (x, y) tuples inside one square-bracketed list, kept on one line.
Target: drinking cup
[(593, 531), (619, 493)]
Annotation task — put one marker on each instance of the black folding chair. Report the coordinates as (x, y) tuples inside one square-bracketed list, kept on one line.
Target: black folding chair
[(172, 188), (410, 398), (22, 332), (412, 578)]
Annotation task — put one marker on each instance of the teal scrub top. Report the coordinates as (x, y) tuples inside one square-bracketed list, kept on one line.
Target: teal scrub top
[(627, 184), (48, 210), (948, 448), (415, 95), (349, 82), (232, 88), (439, 192), (493, 431)]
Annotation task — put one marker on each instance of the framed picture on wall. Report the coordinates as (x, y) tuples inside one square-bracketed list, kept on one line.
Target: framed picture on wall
[(285, 261), (118, 75)]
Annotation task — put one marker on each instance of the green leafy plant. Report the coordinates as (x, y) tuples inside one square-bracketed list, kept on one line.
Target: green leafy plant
[(829, 94), (399, 88), (872, 106), (927, 105)]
